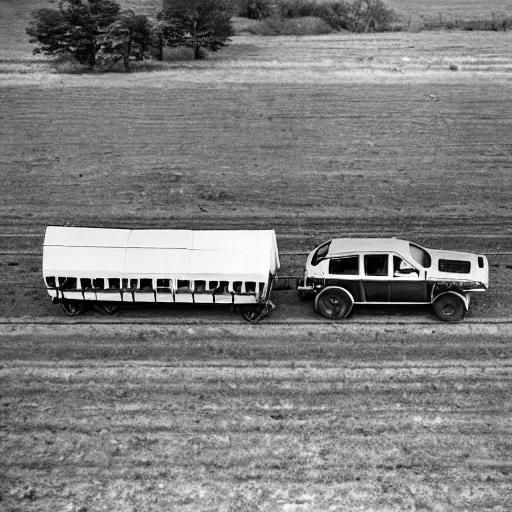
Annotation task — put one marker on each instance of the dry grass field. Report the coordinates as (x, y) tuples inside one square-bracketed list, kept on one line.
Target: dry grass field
[(461, 9), (254, 419), (315, 137), (340, 128)]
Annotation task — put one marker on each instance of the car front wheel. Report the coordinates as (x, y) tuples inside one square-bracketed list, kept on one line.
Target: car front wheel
[(333, 303), (449, 307)]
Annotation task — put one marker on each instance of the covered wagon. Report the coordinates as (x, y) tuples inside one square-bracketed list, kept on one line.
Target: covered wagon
[(108, 267)]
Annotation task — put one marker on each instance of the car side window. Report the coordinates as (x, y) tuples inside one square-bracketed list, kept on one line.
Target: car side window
[(344, 266), (397, 261), (376, 264), (402, 268)]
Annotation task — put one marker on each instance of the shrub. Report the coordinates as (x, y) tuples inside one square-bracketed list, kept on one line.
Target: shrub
[(256, 9), (297, 8), (494, 24), (276, 26), (355, 16), (370, 16), (358, 16), (335, 13)]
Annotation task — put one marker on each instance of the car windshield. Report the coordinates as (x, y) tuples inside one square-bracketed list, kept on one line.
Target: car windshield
[(320, 253), (420, 255)]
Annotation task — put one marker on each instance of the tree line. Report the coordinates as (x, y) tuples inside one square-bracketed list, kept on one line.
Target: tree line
[(99, 32)]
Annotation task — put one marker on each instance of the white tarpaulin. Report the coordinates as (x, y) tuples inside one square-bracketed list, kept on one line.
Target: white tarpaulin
[(85, 261), (160, 238), (99, 252), (86, 237), (157, 261)]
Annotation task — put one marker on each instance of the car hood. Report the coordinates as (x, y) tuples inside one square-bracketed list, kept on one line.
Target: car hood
[(458, 266)]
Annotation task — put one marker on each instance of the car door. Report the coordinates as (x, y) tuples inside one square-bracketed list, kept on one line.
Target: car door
[(407, 283), (376, 277), (344, 272)]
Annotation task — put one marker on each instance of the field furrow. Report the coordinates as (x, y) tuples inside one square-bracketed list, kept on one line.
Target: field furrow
[(251, 422)]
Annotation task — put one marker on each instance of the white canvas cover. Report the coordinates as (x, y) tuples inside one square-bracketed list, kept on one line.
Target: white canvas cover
[(160, 238), (59, 260), (86, 237), (100, 252), (143, 261)]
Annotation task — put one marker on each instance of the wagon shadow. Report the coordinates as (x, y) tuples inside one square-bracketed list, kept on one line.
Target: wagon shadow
[(184, 312)]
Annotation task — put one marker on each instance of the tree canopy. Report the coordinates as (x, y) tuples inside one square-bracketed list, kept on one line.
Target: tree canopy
[(199, 24), (72, 27), (90, 28), (98, 31), (128, 36)]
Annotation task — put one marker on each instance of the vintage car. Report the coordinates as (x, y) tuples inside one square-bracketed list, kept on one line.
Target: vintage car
[(107, 267), (347, 271)]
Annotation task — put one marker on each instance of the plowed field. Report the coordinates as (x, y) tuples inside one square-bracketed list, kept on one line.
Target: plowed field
[(193, 418), (314, 137)]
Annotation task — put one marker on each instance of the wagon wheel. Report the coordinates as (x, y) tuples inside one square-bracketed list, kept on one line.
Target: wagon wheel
[(449, 307), (72, 308), (253, 314), (107, 308), (333, 303)]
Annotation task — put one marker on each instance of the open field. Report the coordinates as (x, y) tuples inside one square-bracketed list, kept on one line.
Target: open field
[(315, 137), (193, 418), (214, 140)]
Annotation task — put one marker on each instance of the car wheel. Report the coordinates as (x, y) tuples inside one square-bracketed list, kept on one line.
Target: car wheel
[(107, 308), (72, 308), (333, 303), (450, 307)]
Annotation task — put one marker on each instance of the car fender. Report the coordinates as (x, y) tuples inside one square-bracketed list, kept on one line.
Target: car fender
[(339, 288), (461, 295)]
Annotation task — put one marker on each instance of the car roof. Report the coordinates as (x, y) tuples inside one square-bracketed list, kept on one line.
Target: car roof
[(353, 245)]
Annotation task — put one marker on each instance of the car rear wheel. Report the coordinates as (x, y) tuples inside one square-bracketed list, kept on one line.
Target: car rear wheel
[(333, 303), (449, 307), (72, 308)]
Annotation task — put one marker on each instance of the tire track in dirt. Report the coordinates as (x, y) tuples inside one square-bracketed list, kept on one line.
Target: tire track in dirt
[(243, 341)]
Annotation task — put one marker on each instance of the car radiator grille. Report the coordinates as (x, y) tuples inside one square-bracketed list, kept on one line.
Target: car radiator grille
[(455, 266)]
